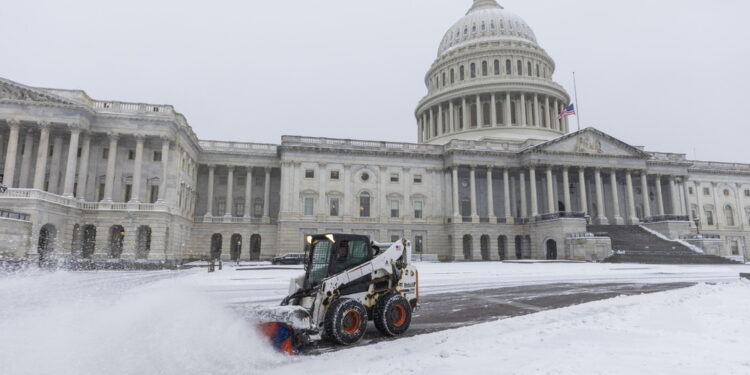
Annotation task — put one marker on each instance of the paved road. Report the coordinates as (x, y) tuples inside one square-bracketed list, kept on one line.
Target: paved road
[(450, 310)]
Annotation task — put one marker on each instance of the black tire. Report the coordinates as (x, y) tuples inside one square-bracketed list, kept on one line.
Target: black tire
[(392, 315), (346, 321)]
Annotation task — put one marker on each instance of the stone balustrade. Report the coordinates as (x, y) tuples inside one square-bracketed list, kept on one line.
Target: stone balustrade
[(85, 206)]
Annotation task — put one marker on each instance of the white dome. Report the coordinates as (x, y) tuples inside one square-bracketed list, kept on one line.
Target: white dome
[(486, 21)]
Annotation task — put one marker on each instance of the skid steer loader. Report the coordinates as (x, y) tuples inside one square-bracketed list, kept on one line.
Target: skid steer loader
[(348, 282)]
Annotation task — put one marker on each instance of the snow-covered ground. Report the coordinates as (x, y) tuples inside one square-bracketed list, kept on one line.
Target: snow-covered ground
[(183, 323)]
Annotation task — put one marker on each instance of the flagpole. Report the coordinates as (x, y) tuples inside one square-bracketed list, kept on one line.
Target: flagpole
[(578, 104)]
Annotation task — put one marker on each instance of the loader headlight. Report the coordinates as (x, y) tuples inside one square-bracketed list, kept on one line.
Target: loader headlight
[(308, 239), (330, 238)]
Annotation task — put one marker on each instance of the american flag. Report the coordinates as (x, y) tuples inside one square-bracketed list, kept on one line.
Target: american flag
[(569, 110)]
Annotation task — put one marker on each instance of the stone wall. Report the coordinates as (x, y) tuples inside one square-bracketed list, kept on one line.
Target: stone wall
[(15, 236)]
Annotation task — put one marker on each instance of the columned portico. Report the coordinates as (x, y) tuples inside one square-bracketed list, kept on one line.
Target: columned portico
[(659, 196), (70, 169), (41, 159), (617, 220), (11, 153), (111, 164), (582, 190), (267, 197), (632, 214), (473, 187), (601, 216), (230, 192), (490, 196), (210, 195), (533, 186), (249, 190)]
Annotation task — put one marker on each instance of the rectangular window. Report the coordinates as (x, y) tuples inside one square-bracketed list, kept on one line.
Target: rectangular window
[(105, 153), (221, 206), (706, 191), (394, 177), (80, 151), (309, 173), (417, 178), (309, 203), (51, 150), (154, 194), (418, 244), (334, 206), (747, 193), (239, 208), (394, 209), (690, 190), (364, 205), (131, 154), (735, 247), (128, 192), (157, 155), (395, 237), (709, 217), (258, 208), (100, 193), (418, 209), (334, 175)]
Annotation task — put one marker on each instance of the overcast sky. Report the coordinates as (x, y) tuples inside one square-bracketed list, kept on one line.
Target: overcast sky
[(669, 75)]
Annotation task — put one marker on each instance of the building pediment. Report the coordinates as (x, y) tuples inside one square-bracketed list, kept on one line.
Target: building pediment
[(589, 142), (14, 91)]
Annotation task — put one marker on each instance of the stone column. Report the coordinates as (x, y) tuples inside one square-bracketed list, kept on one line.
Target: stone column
[(632, 215), (506, 193), (137, 168), (582, 190), (523, 110), (440, 120), (210, 194), (40, 172), (28, 146), (322, 207), (524, 204), (558, 110), (550, 192), (547, 113), (493, 110), (566, 190), (646, 197), (473, 187), (230, 192), (675, 196), (717, 207), (109, 181), (456, 203), (742, 215), (56, 166), (536, 123), (267, 197), (618, 220), (688, 209), (249, 191), (506, 114), (347, 194), (452, 120), (601, 215), (164, 171), (11, 153), (431, 133), (70, 168), (480, 112), (83, 169), (659, 196), (490, 196), (533, 187), (465, 114)]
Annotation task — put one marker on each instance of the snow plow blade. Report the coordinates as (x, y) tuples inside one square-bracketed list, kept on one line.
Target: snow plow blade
[(285, 327)]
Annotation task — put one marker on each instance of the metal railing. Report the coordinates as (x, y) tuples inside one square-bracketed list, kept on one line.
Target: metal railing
[(561, 215), (588, 235), (662, 218)]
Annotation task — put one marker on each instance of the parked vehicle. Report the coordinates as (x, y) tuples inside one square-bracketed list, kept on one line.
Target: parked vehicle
[(291, 258)]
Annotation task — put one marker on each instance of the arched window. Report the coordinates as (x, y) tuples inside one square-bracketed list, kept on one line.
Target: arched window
[(255, 245), (453, 76), (497, 67), (520, 68), (89, 241), (528, 69), (473, 70), (235, 247), (364, 204), (519, 247), (729, 213), (461, 73), (484, 68), (216, 242), (502, 244), (143, 245), (116, 238), (508, 69), (484, 244)]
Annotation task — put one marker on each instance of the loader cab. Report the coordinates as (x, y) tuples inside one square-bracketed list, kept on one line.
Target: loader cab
[(331, 254)]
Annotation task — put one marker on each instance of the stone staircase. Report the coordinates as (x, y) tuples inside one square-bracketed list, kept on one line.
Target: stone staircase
[(633, 244)]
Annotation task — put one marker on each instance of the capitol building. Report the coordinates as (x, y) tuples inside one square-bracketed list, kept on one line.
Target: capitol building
[(495, 175)]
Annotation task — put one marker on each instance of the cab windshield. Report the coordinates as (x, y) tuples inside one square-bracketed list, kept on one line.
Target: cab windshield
[(321, 253)]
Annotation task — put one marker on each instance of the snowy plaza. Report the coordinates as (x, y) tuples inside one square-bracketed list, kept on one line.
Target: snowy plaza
[(192, 322)]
